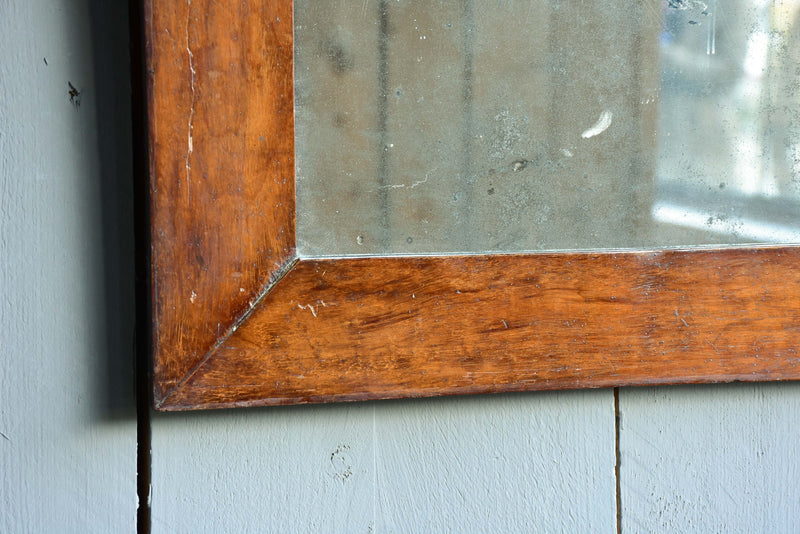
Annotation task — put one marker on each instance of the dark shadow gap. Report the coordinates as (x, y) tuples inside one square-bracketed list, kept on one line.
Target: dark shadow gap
[(142, 263), (617, 457), (109, 94)]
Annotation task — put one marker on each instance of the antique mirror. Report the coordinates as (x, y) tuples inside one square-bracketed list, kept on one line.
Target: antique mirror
[(364, 199)]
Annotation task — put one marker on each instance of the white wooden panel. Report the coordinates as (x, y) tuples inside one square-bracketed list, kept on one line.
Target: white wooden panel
[(68, 444), (720, 458), (512, 463)]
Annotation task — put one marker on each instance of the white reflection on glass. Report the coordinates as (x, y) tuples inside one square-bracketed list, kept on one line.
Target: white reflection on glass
[(728, 138)]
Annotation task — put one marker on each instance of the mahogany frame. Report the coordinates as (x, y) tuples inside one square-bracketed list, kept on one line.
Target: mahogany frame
[(239, 320)]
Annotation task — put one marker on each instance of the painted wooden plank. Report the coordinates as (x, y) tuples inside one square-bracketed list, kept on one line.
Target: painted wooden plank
[(67, 426), (711, 458), (503, 463)]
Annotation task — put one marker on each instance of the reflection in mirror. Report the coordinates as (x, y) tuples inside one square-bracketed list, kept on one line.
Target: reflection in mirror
[(509, 126)]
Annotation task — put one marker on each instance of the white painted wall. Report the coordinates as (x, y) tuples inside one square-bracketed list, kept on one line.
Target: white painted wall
[(722, 458), (701, 459), (508, 463), (694, 459), (68, 444)]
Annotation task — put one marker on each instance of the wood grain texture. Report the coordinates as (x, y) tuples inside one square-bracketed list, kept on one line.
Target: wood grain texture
[(353, 329), (223, 219), (222, 168)]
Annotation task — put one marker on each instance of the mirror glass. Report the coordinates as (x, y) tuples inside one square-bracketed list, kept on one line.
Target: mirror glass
[(477, 126)]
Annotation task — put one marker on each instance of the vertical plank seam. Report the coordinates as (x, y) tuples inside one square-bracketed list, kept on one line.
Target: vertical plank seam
[(139, 14), (144, 451), (617, 461)]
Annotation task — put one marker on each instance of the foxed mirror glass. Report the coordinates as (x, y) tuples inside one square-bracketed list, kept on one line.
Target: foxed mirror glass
[(478, 126)]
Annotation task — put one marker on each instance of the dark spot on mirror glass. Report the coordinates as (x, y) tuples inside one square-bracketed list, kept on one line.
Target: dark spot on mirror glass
[(337, 56)]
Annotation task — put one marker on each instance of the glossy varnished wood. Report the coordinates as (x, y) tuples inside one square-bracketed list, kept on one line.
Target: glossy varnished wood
[(394, 327), (229, 331), (222, 168)]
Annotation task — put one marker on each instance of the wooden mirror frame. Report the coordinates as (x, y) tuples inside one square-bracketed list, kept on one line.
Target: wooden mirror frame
[(239, 320)]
